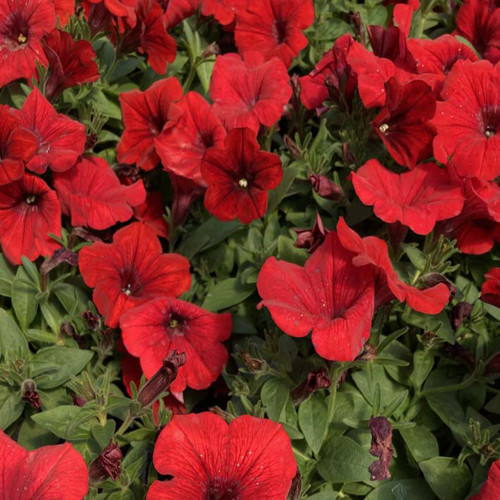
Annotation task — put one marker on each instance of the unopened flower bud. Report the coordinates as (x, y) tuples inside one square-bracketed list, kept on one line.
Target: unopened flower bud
[(312, 238), (253, 364), (326, 188), (30, 394), (460, 313), (316, 379), (211, 50), (107, 464), (292, 147), (381, 447), (369, 353), (91, 319), (162, 379), (78, 400), (347, 154)]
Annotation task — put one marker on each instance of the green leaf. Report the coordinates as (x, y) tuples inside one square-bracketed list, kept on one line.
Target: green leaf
[(405, 489), (104, 433), (55, 365), (227, 293), (6, 277), (67, 422), (447, 478), (11, 409), (421, 442), (417, 258), (24, 298), (11, 337), (276, 195), (275, 395), (342, 460), (423, 361), (313, 421)]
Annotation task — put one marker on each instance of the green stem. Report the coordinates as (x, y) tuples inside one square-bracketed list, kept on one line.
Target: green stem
[(451, 388), (126, 424)]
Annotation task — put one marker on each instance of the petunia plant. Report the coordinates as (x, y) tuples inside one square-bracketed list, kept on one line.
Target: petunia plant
[(249, 249)]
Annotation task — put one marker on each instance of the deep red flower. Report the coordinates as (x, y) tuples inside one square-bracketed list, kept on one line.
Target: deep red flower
[(150, 37), (332, 78), (92, 195), (46, 473), (403, 123), (438, 56), (70, 63), (248, 459), (479, 22), (22, 26), (186, 192), (373, 252), (181, 147), (239, 177), (123, 10), (17, 146), (329, 295), (131, 271), (477, 227), (490, 291), (151, 212), (250, 92), (417, 199), (145, 115), (491, 488), (468, 121), (222, 10), (64, 10), (153, 330), (178, 10), (29, 211), (61, 140), (274, 28)]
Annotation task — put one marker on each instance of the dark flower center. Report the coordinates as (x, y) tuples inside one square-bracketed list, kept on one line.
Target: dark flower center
[(447, 65), (220, 489), (30, 199), (490, 117), (279, 30), (175, 324), (22, 38), (15, 31), (130, 282)]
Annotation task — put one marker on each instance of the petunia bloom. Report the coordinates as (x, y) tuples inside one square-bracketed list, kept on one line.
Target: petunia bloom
[(23, 23), (468, 121), (329, 296), (153, 330), (92, 195), (46, 473), (249, 92), (131, 271), (182, 146), (491, 488), (372, 252), (490, 291), (403, 123), (332, 78), (416, 199), (151, 212), (247, 459), (239, 177), (17, 146), (61, 140), (145, 115), (223, 11), (29, 211), (71, 63), (274, 28), (175, 11)]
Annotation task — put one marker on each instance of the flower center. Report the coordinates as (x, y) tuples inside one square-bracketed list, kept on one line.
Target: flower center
[(174, 324), (220, 489), (127, 290), (490, 118), (243, 183), (130, 282), (384, 128), (490, 132), (279, 30), (30, 199), (21, 38)]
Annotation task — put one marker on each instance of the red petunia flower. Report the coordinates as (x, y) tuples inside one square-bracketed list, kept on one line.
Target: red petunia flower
[(239, 177), (151, 212), (64, 10), (153, 330), (145, 115), (403, 123), (438, 56), (186, 192), (490, 291), (92, 195), (250, 92), (71, 63), (491, 488), (46, 473), (61, 140), (150, 37), (372, 252), (29, 211), (477, 227), (248, 459), (131, 271), (331, 78), (223, 11), (416, 199), (17, 146), (329, 295), (22, 26), (479, 22), (123, 10), (175, 11), (181, 147), (274, 28), (468, 121)]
